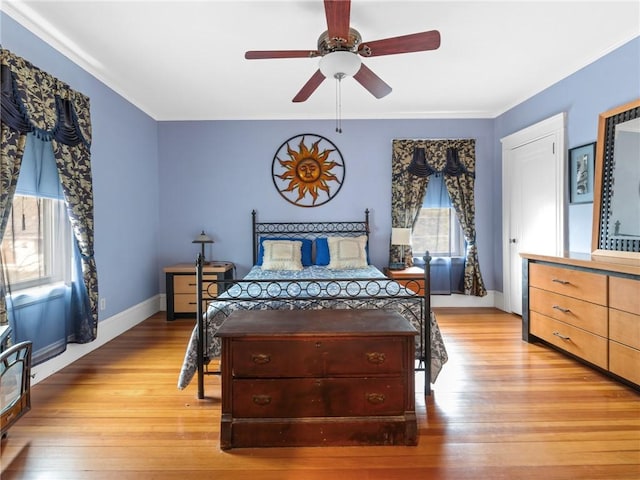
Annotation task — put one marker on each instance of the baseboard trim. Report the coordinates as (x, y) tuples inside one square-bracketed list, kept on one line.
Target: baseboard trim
[(458, 300), (108, 329)]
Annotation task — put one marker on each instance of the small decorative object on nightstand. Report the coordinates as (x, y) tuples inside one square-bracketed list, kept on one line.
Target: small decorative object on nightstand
[(181, 286), (202, 239)]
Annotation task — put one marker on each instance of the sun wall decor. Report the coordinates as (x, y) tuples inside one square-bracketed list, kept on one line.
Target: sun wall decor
[(308, 170)]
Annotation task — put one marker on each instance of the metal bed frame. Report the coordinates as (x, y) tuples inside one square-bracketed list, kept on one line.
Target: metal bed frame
[(315, 292)]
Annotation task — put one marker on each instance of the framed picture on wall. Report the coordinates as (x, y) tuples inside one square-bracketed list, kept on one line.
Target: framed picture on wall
[(581, 165)]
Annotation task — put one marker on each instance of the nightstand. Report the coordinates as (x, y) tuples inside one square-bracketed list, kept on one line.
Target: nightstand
[(408, 275), (181, 286)]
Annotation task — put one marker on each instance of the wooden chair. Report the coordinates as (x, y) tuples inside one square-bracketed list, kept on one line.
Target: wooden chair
[(15, 384)]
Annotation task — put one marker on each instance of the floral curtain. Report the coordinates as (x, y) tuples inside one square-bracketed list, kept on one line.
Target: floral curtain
[(455, 159), (34, 101)]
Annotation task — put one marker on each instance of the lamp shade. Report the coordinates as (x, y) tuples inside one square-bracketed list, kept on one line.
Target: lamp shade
[(203, 238), (340, 64), (400, 236)]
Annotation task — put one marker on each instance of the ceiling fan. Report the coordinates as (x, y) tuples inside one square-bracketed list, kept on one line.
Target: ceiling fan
[(341, 48)]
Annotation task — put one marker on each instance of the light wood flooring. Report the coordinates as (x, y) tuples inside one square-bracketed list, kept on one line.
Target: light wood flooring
[(501, 409)]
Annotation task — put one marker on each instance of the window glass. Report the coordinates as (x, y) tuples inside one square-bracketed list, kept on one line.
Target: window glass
[(437, 228), (36, 243)]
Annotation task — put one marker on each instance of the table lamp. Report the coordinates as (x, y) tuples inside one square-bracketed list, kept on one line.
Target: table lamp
[(202, 239), (402, 237)]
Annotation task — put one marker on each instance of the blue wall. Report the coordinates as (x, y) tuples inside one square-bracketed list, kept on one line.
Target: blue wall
[(124, 158), (212, 174), (157, 184)]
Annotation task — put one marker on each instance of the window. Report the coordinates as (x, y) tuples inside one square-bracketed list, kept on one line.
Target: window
[(437, 228), (36, 247)]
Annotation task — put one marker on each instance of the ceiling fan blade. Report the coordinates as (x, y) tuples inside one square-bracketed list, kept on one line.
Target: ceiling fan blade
[(260, 54), (415, 42), (369, 80), (338, 13), (309, 87)]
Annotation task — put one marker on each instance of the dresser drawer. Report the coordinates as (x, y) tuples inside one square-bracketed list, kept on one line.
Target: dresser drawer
[(591, 287), (318, 397), (576, 341), (585, 315), (624, 361), (319, 356), (624, 328), (624, 294)]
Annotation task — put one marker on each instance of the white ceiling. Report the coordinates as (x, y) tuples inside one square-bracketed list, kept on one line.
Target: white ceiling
[(184, 60)]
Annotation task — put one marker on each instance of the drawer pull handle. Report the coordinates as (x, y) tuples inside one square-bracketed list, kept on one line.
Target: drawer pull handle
[(262, 399), (563, 337), (261, 358), (563, 310), (375, 398), (375, 357), (560, 281)]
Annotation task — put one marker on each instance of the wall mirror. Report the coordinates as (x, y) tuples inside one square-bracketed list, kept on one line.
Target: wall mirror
[(616, 205)]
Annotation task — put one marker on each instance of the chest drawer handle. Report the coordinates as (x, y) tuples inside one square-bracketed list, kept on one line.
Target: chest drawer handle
[(375, 357), (375, 398), (262, 399), (560, 281), (563, 310), (261, 358), (563, 337)]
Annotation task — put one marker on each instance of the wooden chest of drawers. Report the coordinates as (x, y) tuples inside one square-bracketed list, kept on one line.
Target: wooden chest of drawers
[(317, 377), (588, 309)]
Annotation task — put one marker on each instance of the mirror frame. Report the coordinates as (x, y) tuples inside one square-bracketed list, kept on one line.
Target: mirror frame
[(603, 248)]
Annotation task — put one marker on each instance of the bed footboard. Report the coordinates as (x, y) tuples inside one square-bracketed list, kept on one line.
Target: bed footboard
[(338, 293)]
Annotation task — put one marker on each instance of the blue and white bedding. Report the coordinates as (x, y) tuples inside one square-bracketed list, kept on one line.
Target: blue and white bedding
[(313, 287)]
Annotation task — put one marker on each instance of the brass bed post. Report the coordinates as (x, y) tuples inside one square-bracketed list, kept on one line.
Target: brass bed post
[(200, 324)]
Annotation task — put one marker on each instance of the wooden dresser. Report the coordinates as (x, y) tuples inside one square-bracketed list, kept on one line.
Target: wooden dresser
[(317, 377), (588, 309)]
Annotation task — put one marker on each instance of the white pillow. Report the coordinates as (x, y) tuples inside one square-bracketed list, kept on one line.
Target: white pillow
[(347, 252), (282, 255)]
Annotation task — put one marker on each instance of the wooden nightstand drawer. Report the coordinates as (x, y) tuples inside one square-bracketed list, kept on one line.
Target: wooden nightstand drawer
[(576, 341), (320, 356), (184, 302), (579, 313), (587, 286), (318, 397), (187, 284)]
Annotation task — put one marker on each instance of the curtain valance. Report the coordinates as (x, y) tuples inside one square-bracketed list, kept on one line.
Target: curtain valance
[(34, 101)]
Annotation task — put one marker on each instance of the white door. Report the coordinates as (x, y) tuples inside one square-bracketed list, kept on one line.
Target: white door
[(533, 201)]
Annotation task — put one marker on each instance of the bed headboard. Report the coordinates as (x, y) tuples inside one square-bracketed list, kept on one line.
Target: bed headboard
[(309, 230)]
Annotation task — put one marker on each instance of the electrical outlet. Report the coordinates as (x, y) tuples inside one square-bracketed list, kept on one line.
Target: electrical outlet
[(103, 303)]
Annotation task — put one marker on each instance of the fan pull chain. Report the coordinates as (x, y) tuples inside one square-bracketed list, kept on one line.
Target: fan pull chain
[(339, 77)]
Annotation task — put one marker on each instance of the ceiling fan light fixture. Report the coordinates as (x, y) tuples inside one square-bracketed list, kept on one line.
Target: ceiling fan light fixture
[(340, 64)]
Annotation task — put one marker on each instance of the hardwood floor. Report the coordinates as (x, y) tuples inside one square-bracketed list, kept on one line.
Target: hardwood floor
[(501, 409)]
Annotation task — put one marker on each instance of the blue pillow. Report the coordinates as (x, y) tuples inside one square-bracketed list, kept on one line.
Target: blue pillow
[(322, 251), (306, 249)]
